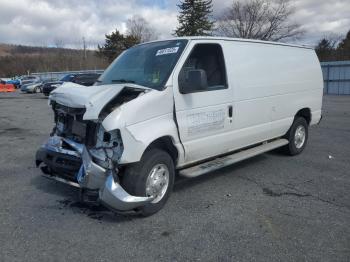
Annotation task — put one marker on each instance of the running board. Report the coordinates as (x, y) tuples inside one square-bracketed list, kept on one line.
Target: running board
[(220, 162)]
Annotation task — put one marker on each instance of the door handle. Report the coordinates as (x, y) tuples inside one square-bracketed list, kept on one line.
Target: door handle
[(230, 111)]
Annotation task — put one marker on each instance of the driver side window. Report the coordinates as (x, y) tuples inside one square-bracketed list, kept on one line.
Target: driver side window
[(207, 61)]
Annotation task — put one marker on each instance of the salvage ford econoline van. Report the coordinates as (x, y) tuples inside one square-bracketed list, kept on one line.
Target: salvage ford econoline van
[(187, 106)]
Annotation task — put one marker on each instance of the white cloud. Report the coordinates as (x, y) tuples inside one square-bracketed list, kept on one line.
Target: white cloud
[(321, 18), (42, 22)]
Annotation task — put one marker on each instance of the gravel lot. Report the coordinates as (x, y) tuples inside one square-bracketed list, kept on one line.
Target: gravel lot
[(269, 208)]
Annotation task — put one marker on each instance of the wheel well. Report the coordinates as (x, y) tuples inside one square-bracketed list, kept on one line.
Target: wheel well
[(305, 113), (165, 143)]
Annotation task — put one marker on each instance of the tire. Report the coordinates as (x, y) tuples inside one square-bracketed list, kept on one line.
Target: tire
[(297, 136), (155, 163), (37, 90)]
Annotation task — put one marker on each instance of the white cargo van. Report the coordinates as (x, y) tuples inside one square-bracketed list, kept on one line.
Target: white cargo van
[(183, 106)]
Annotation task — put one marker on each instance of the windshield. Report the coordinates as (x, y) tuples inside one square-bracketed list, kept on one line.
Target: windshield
[(148, 64)]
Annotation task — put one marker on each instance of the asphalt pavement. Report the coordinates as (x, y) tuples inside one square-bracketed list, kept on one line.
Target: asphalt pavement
[(268, 208)]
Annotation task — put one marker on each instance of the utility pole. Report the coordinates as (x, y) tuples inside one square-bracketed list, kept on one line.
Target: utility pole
[(84, 46), (84, 55)]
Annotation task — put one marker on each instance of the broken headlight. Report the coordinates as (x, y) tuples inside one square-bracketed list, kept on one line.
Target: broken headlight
[(109, 147)]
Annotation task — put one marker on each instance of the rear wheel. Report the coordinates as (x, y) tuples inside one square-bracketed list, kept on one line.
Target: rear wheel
[(152, 176), (297, 136), (37, 90)]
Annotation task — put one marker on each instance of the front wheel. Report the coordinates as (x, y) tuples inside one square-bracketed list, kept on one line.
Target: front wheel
[(297, 136), (152, 176), (37, 90)]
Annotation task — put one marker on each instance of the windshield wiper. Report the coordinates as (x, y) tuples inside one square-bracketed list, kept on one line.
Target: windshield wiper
[(122, 81)]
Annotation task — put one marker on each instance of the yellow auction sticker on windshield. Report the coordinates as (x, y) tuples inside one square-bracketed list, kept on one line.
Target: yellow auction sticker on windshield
[(166, 51)]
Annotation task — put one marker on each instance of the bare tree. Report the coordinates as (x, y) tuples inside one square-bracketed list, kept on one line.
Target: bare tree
[(259, 19), (139, 28), (58, 42)]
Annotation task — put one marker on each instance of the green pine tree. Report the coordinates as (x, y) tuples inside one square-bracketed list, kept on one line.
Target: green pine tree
[(194, 18), (115, 44), (345, 43), (343, 50), (325, 49)]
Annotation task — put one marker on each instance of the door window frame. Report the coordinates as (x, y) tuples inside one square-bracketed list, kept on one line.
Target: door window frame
[(223, 87)]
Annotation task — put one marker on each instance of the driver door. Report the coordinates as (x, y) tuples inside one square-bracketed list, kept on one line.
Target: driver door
[(204, 115)]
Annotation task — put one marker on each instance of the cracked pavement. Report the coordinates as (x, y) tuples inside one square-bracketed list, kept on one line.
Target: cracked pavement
[(268, 208)]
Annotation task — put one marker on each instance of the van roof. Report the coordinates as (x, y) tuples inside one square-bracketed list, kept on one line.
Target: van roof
[(235, 39)]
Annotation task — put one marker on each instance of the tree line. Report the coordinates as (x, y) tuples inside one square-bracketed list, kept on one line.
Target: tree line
[(330, 48), (21, 60)]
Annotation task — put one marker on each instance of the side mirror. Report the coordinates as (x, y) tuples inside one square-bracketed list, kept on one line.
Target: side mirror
[(193, 81)]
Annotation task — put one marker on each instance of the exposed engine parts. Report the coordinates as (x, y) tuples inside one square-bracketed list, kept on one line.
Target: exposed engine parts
[(126, 95)]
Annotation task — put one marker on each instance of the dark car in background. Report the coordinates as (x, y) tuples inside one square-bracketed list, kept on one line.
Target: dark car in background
[(49, 86), (85, 79)]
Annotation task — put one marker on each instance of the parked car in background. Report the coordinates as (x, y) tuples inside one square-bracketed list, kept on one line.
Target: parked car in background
[(85, 79), (14, 81), (10, 81), (4, 80), (19, 81), (51, 85), (32, 85), (25, 80)]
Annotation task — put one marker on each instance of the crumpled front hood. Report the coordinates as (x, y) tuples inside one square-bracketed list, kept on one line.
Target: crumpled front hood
[(93, 98)]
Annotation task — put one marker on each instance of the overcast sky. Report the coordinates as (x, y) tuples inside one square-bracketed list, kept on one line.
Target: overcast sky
[(45, 22)]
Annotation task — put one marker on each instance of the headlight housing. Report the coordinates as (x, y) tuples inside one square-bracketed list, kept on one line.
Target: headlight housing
[(109, 147)]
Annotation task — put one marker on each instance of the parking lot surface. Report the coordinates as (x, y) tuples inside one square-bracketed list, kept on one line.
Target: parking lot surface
[(268, 208)]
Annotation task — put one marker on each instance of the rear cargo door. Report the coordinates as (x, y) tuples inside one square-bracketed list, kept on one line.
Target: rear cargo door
[(204, 116)]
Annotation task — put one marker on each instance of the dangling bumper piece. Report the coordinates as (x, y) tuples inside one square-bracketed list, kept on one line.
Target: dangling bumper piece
[(89, 176)]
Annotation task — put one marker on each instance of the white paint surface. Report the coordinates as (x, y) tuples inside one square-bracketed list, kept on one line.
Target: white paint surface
[(267, 85)]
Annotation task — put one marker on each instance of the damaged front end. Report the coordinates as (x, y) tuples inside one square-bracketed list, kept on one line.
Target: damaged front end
[(81, 153)]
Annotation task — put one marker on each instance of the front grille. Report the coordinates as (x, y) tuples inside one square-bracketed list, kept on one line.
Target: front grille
[(79, 112), (70, 124), (67, 162)]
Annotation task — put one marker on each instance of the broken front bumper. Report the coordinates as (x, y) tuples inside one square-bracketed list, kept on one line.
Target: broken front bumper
[(91, 176), (58, 160)]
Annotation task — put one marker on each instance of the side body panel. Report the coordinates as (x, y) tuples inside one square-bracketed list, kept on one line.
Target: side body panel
[(252, 110), (273, 83)]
